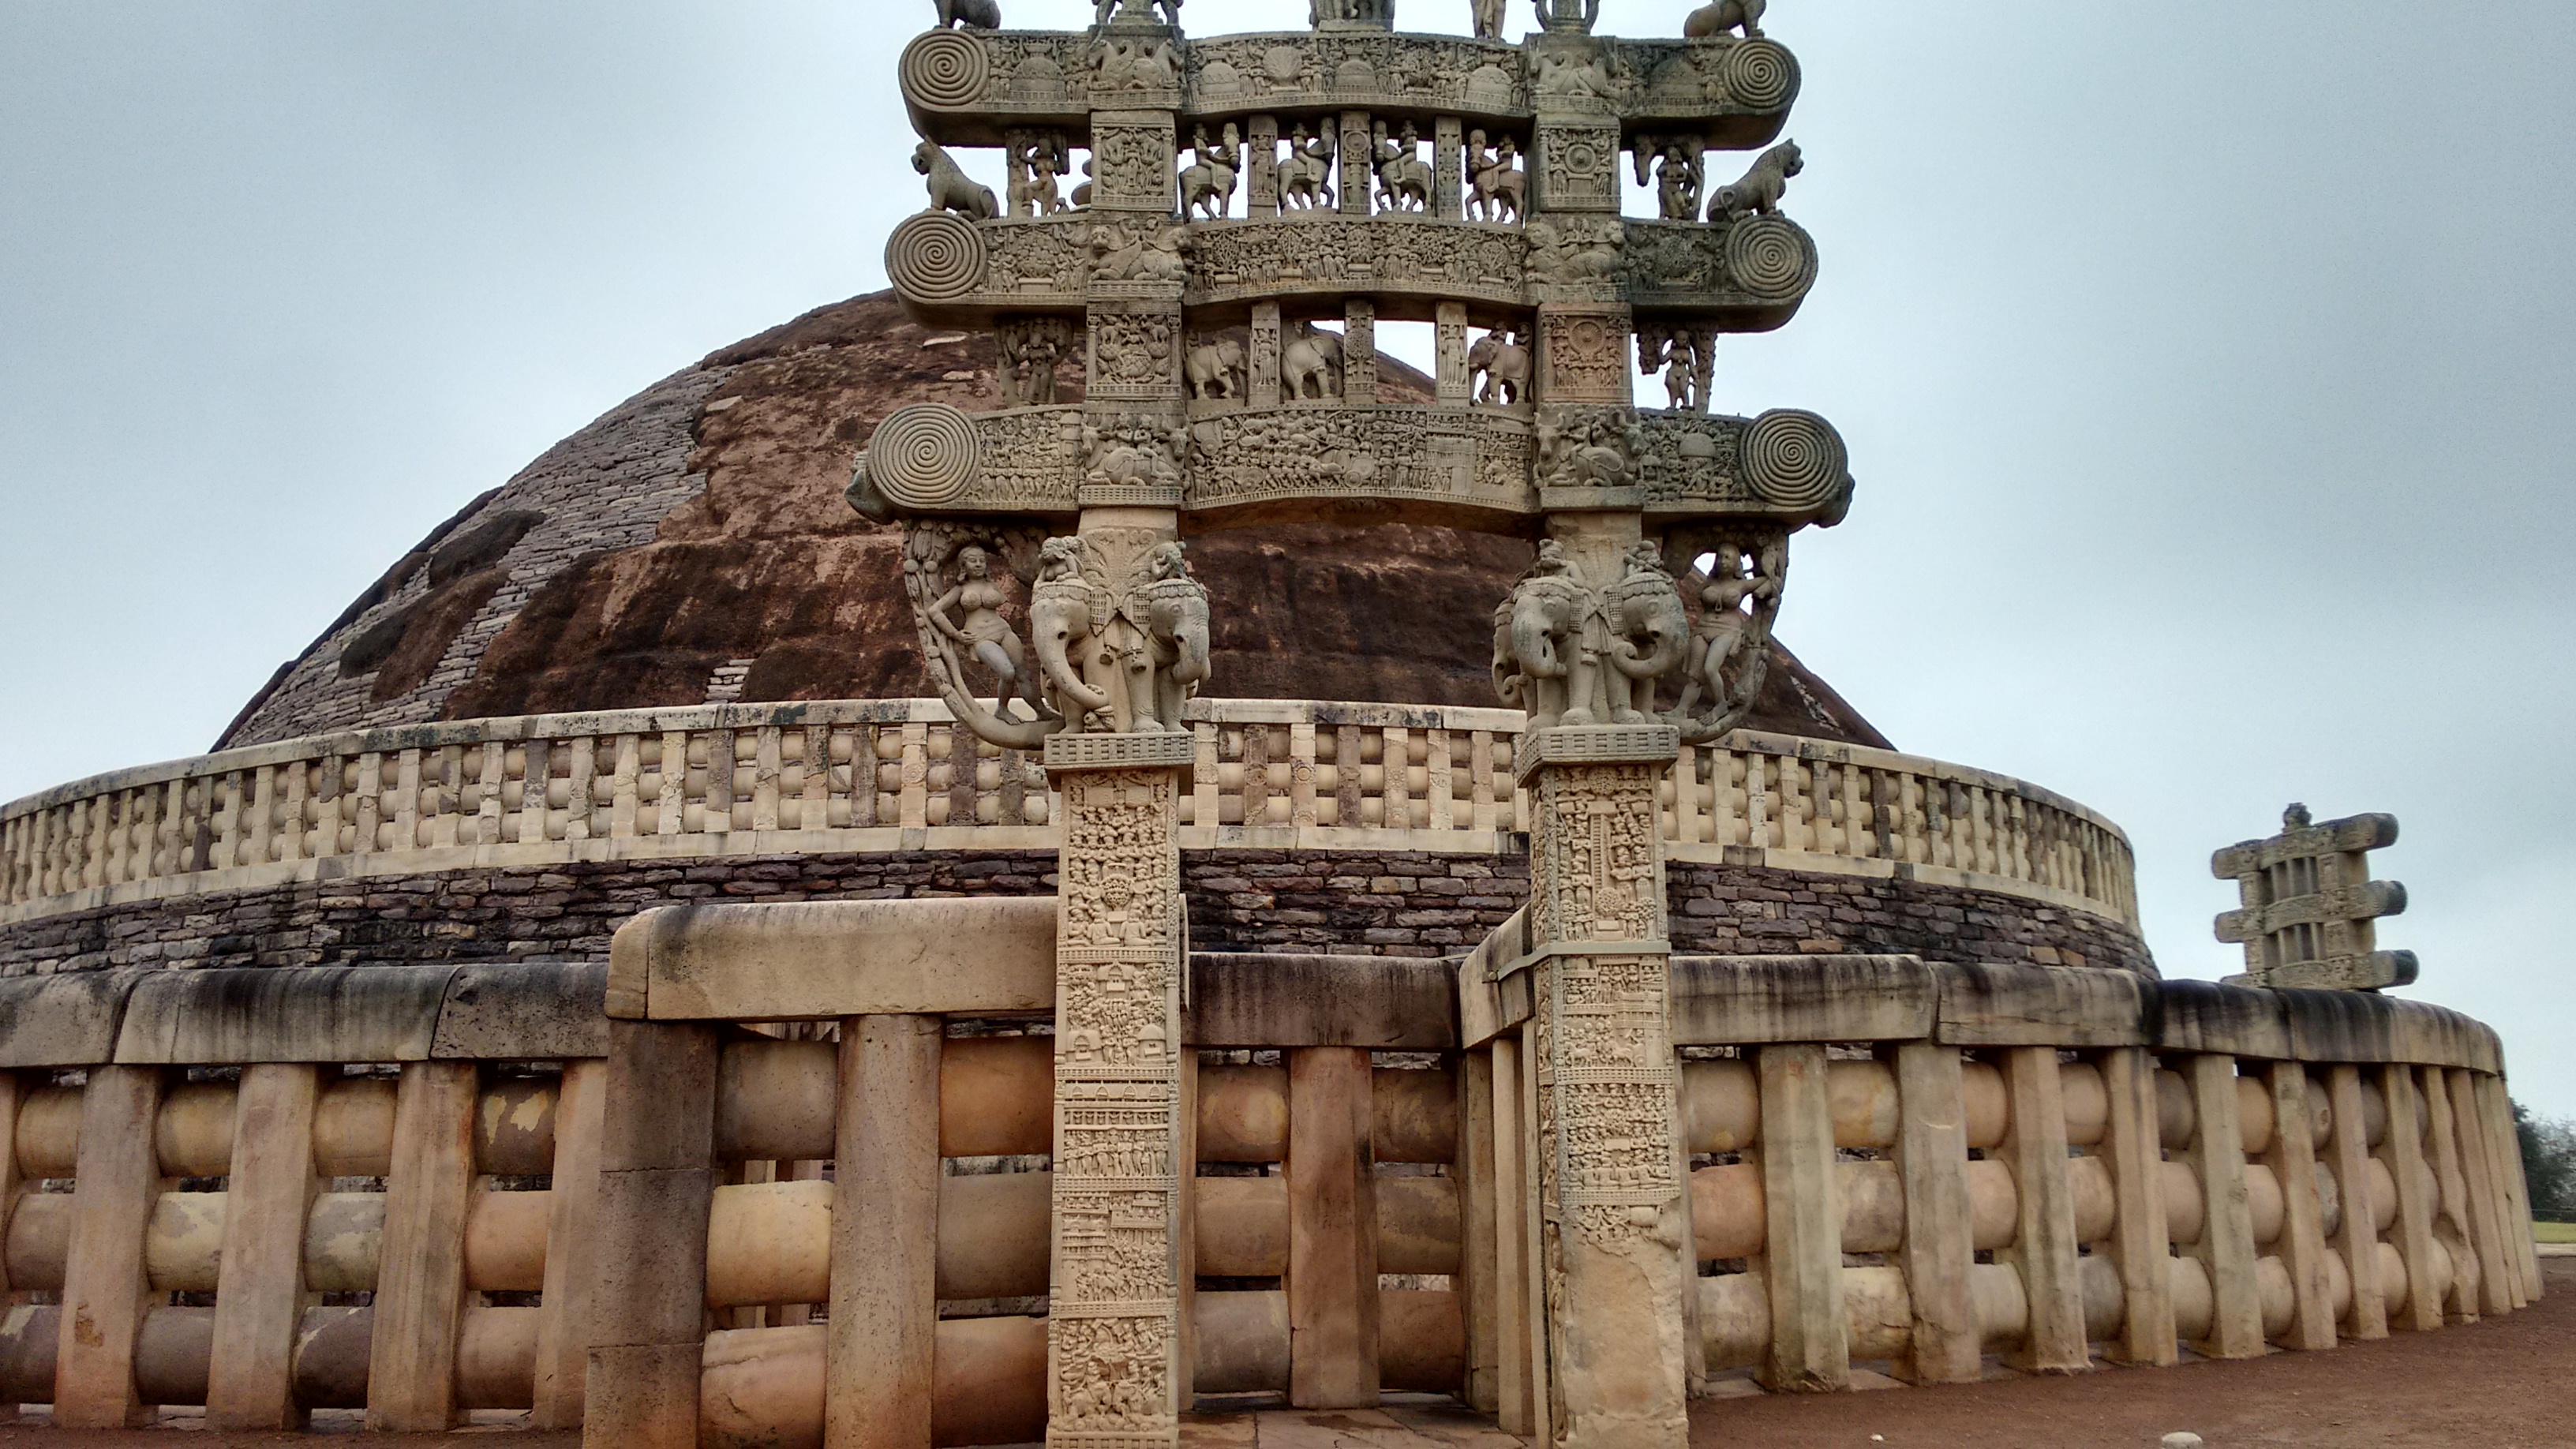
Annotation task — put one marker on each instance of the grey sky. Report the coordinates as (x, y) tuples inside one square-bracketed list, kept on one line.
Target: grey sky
[(2207, 370)]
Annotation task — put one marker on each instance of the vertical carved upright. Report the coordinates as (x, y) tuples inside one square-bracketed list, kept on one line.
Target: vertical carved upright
[(1113, 1329), (1612, 1203)]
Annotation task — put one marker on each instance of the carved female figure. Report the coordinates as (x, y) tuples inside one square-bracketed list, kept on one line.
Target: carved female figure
[(983, 632), (1726, 630)]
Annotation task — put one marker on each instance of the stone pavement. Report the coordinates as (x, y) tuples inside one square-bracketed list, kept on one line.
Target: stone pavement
[(1428, 1424)]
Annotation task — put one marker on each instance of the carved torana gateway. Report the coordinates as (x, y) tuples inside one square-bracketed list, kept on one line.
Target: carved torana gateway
[(1250, 209)]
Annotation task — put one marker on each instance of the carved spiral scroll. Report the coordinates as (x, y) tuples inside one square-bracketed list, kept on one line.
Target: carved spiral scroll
[(1771, 256), (924, 456), (944, 69), (1793, 459), (1760, 74), (935, 256)]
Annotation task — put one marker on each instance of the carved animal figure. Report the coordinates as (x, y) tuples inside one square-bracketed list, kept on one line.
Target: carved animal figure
[(1543, 661), (1305, 177), (1404, 179), (1216, 369), (1762, 187), (1724, 16), (1500, 184), (950, 188), (1500, 367), (1649, 629), (1062, 618), (970, 14), (1208, 184), (1310, 364), (1176, 629)]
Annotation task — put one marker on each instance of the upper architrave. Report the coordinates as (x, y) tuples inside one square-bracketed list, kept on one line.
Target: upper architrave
[(967, 88)]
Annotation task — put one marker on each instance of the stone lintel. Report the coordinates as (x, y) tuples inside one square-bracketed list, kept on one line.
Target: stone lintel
[(1639, 744), (2338, 973), (828, 959)]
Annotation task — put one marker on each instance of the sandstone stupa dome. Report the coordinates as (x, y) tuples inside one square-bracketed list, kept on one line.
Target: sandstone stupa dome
[(692, 546)]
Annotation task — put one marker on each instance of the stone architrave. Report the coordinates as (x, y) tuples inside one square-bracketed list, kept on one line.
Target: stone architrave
[(1114, 1343), (1612, 1202), (2308, 905)]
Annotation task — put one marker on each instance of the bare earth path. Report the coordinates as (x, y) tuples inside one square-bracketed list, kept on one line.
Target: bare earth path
[(2506, 1383)]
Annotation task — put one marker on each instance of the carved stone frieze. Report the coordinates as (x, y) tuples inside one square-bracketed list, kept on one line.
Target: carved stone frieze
[(1748, 274), (1446, 457), (1333, 255), (1480, 462), (1732, 90)]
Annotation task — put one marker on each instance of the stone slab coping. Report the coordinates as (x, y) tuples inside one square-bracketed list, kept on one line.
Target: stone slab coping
[(996, 957), (471, 1011)]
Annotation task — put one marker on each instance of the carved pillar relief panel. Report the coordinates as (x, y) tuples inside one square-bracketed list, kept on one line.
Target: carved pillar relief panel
[(1359, 352), (1583, 353), (1114, 1372), (1261, 158), (1134, 165), (1448, 169), (1450, 379), (1614, 1211), (1136, 352), (1263, 390), (1359, 177), (1577, 166)]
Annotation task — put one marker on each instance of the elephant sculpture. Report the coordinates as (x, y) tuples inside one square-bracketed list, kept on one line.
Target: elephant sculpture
[(1066, 619), (1176, 627), (1216, 369), (1546, 658), (1648, 630), (1310, 365), (1119, 661)]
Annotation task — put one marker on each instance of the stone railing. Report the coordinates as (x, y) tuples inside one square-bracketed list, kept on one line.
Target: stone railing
[(789, 778)]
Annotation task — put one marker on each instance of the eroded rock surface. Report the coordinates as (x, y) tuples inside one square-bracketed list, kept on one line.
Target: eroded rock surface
[(697, 532)]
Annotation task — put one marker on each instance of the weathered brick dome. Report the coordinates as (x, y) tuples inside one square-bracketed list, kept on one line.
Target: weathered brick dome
[(692, 546)]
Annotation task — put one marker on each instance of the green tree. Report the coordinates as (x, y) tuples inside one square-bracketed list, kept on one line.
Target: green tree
[(2549, 1163)]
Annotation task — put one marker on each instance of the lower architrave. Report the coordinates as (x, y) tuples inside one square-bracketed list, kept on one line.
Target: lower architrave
[(1114, 1371), (1612, 1201)]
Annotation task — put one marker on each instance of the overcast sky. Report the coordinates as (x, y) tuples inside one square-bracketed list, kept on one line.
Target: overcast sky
[(2207, 369)]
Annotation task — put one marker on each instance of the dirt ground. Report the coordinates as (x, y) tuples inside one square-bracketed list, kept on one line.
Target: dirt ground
[(2504, 1383), (2507, 1383)]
